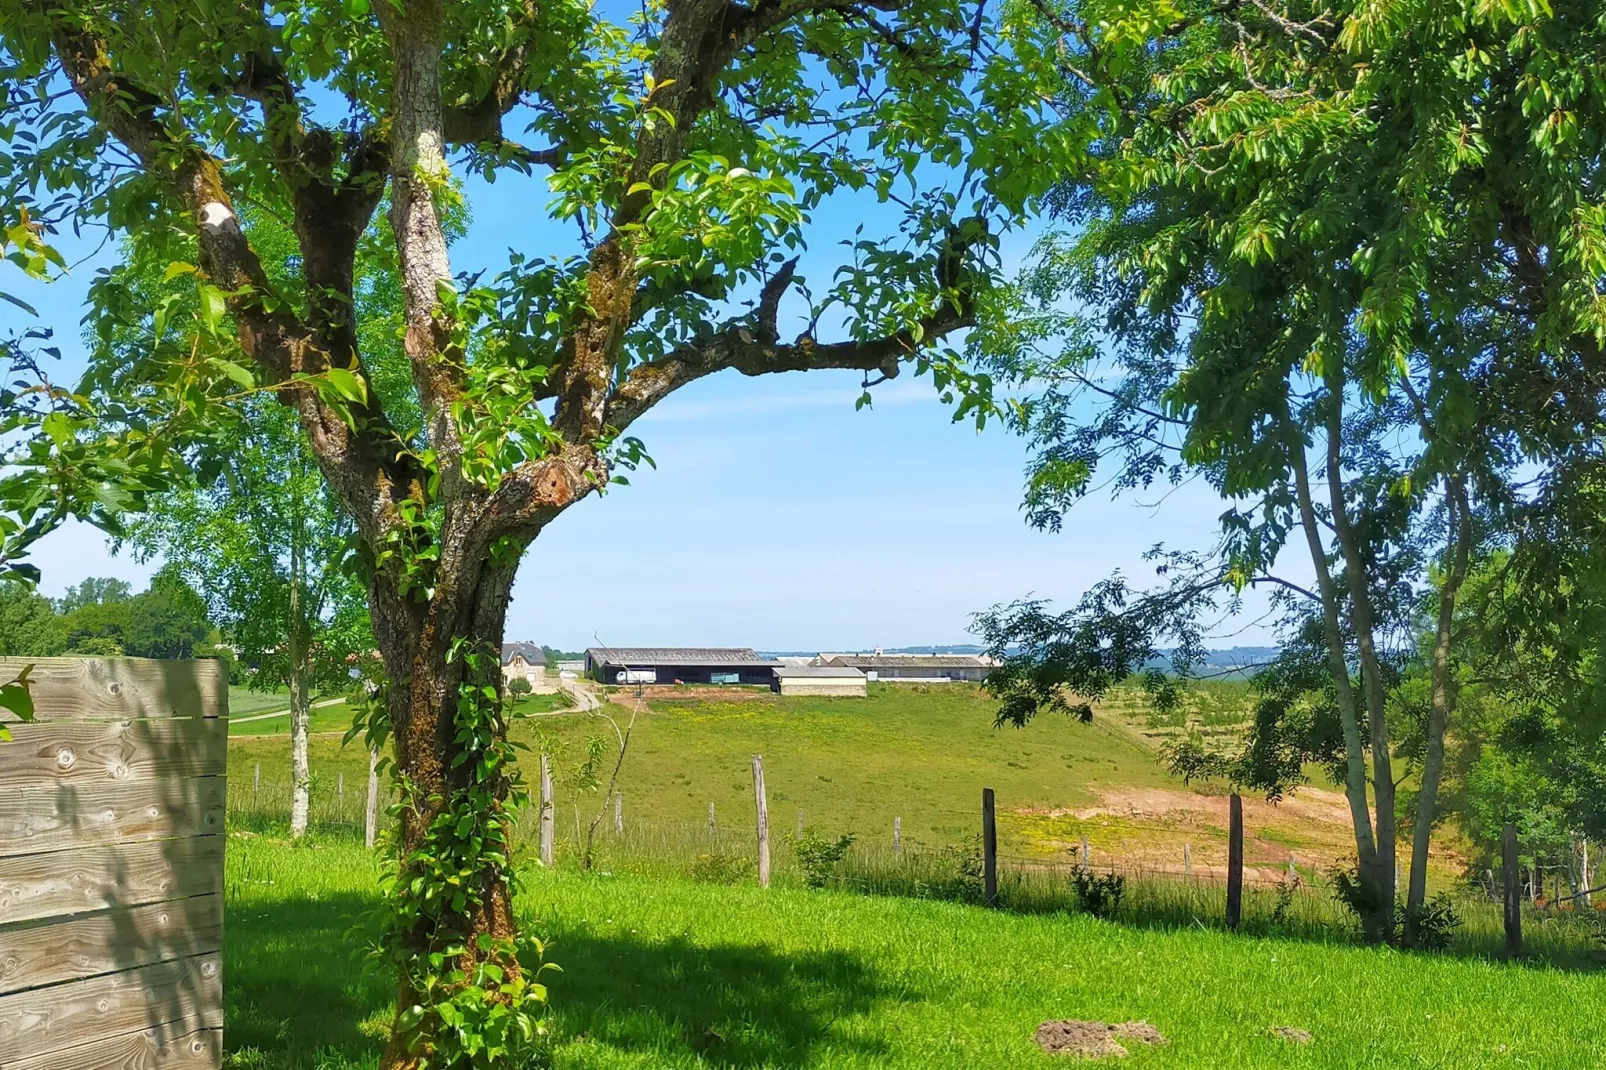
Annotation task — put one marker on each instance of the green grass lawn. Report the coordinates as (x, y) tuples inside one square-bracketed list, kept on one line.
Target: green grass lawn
[(335, 717), (243, 702), (660, 974)]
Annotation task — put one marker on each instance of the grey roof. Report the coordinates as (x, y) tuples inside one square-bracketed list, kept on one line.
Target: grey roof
[(687, 657), (912, 661), (835, 672), (532, 653)]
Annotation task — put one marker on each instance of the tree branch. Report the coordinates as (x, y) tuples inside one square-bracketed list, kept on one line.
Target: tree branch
[(356, 462)]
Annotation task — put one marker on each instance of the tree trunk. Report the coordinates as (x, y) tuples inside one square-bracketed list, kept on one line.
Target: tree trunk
[(1457, 551), (433, 656), (1368, 861), (300, 701), (300, 774), (1381, 890)]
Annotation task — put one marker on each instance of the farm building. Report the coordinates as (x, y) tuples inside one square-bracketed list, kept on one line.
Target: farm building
[(835, 680), (914, 668), (679, 665), (524, 660)]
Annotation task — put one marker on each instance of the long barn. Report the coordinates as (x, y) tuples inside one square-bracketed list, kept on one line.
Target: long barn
[(679, 665)]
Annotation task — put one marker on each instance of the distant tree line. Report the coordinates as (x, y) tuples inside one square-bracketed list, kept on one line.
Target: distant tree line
[(103, 617)]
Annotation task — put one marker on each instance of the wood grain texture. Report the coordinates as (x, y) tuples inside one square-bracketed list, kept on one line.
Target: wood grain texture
[(90, 815), (71, 882), (42, 1021), (175, 1046), (114, 689), (51, 951), (64, 752)]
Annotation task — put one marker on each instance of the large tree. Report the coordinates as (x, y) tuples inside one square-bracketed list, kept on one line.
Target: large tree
[(1340, 244), (687, 151)]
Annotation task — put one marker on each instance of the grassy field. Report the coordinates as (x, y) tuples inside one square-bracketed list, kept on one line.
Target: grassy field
[(921, 754), (663, 974), (243, 702)]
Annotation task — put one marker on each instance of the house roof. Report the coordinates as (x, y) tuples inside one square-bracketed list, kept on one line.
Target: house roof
[(687, 657), (911, 661), (834, 672), (531, 651)]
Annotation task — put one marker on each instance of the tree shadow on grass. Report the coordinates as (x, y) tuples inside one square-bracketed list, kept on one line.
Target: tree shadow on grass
[(728, 1005), (296, 994), (294, 989)]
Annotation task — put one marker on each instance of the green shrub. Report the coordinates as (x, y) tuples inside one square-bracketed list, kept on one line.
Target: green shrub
[(720, 867), (1098, 895), (819, 857)]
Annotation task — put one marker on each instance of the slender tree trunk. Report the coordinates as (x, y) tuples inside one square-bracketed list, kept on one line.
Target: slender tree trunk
[(1343, 689), (1361, 624), (300, 701), (1457, 552), (300, 772)]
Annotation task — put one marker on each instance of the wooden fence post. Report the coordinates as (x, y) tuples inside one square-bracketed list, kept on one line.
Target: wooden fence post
[(370, 821), (1187, 860), (713, 830), (1235, 861), (340, 788), (763, 822), (897, 835), (256, 780), (1085, 859), (549, 817), (800, 822), (1293, 872), (1583, 871), (989, 849), (618, 813), (1511, 880)]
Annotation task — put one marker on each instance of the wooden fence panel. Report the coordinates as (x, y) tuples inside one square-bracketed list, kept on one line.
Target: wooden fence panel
[(174, 1046), (111, 867), (53, 819), (120, 689), (87, 752)]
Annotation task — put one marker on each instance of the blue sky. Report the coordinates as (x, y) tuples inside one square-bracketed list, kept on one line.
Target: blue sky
[(778, 516)]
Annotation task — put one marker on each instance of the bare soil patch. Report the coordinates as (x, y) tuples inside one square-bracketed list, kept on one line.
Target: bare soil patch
[(1094, 1040), (1291, 1034)]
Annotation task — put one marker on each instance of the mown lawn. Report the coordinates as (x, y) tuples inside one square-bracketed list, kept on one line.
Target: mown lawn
[(676, 974)]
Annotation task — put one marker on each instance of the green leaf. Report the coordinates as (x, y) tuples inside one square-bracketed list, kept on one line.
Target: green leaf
[(348, 384), (238, 374), (213, 306)]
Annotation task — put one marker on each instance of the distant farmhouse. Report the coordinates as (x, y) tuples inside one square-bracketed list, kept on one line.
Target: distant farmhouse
[(524, 660), (914, 668), (683, 665)]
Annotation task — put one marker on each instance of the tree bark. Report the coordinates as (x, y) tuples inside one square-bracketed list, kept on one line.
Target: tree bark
[(300, 771), (1457, 552), (416, 646), (300, 701), (1361, 624), (1344, 691)]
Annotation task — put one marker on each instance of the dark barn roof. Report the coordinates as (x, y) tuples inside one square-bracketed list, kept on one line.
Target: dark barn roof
[(532, 653), (684, 657)]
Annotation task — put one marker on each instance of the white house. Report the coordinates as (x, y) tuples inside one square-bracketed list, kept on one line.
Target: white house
[(526, 661)]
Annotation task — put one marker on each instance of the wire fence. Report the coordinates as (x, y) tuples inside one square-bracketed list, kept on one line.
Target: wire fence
[(1164, 876)]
